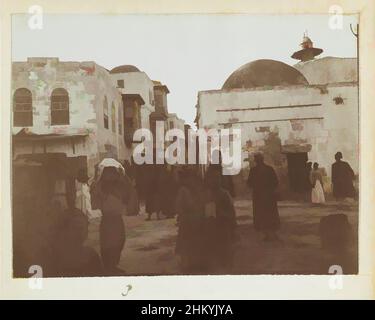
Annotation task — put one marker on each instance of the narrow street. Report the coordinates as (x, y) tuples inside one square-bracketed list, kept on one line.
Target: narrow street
[(149, 248)]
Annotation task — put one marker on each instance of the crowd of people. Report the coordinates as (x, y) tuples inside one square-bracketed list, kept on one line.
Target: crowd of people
[(206, 221), (203, 208)]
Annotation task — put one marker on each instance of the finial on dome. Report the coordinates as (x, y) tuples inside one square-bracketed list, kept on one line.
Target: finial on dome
[(308, 51)]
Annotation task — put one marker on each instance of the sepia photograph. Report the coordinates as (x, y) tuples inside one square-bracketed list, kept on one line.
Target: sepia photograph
[(166, 145), (82, 206)]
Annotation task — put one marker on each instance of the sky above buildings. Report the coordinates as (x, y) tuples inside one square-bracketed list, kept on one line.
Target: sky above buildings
[(188, 53)]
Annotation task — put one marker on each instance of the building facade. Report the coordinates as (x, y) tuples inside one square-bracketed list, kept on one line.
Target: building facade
[(68, 116), (81, 109), (131, 81), (69, 108), (174, 122), (292, 114)]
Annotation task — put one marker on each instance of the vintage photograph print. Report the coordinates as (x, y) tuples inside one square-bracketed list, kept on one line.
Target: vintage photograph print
[(184, 144)]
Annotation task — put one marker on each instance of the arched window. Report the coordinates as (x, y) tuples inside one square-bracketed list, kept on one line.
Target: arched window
[(120, 120), (22, 108), (105, 112), (59, 107), (113, 117)]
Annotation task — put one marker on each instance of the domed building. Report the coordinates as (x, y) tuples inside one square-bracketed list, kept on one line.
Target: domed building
[(293, 114), (263, 73), (125, 69)]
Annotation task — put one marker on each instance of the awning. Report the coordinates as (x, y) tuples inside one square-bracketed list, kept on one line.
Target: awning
[(23, 135)]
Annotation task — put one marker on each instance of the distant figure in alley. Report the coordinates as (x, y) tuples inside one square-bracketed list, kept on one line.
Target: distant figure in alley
[(263, 181), (224, 222), (191, 237)]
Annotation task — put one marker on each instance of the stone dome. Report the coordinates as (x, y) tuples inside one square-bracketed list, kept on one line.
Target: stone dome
[(125, 69), (262, 73)]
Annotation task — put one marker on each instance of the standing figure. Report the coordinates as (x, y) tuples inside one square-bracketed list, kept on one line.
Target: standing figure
[(110, 195), (317, 193), (214, 168), (83, 197), (342, 179), (152, 193), (263, 180), (73, 258), (221, 239), (129, 169), (190, 245), (166, 191), (141, 182), (133, 204), (307, 179)]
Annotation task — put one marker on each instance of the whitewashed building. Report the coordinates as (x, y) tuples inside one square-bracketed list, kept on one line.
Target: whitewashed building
[(174, 122), (68, 116), (131, 81), (292, 114), (67, 108)]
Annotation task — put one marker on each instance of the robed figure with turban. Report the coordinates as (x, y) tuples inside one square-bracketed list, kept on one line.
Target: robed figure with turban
[(263, 181)]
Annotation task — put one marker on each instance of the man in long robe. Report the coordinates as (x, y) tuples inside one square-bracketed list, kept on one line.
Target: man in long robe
[(342, 179), (263, 181)]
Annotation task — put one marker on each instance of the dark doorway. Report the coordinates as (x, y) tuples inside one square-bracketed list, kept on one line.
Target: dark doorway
[(41, 171), (297, 171)]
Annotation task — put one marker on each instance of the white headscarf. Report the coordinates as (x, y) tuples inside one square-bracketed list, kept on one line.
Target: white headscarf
[(109, 162)]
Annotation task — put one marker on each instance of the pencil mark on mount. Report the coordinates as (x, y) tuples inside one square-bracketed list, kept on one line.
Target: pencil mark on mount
[(128, 288)]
